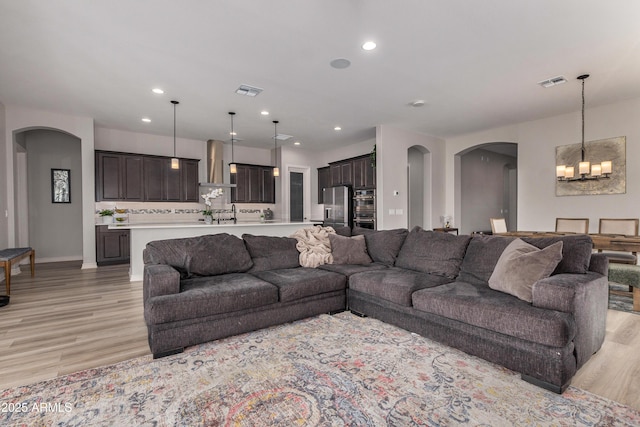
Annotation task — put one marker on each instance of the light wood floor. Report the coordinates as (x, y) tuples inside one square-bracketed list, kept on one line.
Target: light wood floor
[(66, 319)]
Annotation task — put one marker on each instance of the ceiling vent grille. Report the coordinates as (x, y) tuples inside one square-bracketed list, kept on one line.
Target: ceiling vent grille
[(553, 81), (248, 90)]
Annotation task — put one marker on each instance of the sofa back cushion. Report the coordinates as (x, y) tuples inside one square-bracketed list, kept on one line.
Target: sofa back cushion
[(433, 252), (349, 250), (481, 257), (208, 255), (272, 253), (576, 251), (383, 246)]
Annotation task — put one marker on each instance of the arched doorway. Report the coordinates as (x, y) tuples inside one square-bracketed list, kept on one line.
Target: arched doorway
[(419, 187), (486, 186), (54, 230)]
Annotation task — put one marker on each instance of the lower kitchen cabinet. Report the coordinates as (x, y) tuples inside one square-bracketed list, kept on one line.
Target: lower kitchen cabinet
[(112, 246)]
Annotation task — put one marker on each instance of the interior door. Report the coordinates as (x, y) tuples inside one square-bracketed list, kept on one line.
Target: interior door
[(296, 196)]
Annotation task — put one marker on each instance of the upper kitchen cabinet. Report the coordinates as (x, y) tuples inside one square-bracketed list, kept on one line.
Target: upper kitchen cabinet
[(324, 181), (136, 177), (119, 176), (254, 184), (364, 174), (341, 173)]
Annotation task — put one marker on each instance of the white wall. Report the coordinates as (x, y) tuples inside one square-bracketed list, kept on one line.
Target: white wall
[(19, 119), (538, 205), (53, 227), (391, 175), (4, 181)]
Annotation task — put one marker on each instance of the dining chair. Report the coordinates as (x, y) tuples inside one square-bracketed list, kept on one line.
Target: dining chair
[(572, 225), (498, 225), (624, 227)]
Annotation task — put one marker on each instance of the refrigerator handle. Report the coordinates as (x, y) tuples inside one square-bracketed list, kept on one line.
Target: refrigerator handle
[(327, 213)]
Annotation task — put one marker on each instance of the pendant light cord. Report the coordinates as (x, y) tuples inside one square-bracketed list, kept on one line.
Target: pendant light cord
[(174, 127)]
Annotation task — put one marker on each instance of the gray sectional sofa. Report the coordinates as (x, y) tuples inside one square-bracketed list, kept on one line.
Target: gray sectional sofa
[(454, 289)]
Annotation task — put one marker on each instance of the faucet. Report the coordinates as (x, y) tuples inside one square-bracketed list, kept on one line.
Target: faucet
[(233, 211)]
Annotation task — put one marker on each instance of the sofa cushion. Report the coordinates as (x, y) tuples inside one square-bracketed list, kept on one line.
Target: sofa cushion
[(483, 307), (433, 252), (351, 269), (349, 250), (272, 253), (201, 255), (384, 245), (576, 251), (394, 284), (207, 296), (521, 265), (481, 258), (302, 282)]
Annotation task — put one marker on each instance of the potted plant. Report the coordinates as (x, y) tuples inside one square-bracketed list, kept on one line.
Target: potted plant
[(107, 216), (208, 215)]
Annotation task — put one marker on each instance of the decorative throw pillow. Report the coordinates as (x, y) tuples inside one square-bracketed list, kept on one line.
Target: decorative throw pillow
[(349, 250), (384, 246), (272, 253), (521, 265)]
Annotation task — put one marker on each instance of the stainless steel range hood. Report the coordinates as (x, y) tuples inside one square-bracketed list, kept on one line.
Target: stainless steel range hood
[(215, 165)]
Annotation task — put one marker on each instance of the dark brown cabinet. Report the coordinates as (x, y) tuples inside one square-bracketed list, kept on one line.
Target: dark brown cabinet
[(364, 174), (118, 177), (324, 181), (341, 173), (112, 246), (137, 177), (254, 184)]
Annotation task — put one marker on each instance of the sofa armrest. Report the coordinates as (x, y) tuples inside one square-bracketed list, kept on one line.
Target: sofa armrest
[(599, 264), (586, 297), (160, 279)]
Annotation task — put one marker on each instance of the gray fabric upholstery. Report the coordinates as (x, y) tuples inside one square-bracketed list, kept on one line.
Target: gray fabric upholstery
[(481, 257), (205, 296), (349, 250), (599, 264), (394, 284), (272, 253), (496, 311), (351, 269), (200, 256), (576, 251), (383, 246), (433, 252), (159, 279), (301, 282)]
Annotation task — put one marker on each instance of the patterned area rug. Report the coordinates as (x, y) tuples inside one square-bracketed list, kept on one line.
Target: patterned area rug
[(323, 371)]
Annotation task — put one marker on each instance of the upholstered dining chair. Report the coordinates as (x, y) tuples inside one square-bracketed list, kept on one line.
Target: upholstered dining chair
[(498, 225), (624, 227), (572, 225)]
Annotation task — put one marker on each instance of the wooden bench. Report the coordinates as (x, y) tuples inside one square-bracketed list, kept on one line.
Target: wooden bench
[(11, 256), (627, 274)]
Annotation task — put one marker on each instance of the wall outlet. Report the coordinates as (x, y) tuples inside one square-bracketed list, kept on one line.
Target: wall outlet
[(399, 211), (392, 211)]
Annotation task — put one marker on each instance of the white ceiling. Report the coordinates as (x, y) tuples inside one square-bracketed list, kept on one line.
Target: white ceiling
[(474, 63)]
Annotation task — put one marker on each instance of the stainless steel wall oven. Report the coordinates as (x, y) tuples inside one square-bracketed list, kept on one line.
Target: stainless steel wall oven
[(364, 208)]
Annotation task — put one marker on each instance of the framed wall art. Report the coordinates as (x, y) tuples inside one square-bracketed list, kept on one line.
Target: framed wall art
[(60, 186)]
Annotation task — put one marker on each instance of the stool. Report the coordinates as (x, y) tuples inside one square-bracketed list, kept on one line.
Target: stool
[(627, 274), (12, 255)]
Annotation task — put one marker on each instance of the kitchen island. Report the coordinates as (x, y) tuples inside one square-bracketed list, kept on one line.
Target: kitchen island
[(143, 233)]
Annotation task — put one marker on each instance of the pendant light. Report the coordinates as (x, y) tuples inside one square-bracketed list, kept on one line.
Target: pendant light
[(175, 162), (276, 169), (586, 171), (233, 168)]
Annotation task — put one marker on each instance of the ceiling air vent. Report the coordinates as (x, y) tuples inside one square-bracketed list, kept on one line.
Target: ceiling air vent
[(283, 137), (553, 81), (248, 90)]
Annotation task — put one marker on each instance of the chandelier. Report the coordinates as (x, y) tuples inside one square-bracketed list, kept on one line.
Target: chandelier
[(586, 171)]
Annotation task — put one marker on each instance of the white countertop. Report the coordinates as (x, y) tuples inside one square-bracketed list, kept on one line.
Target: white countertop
[(201, 224)]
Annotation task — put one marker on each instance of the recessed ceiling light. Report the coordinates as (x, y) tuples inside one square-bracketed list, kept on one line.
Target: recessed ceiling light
[(264, 113), (146, 119), (233, 133), (337, 128), (157, 90), (418, 103), (296, 143), (340, 63), (369, 45)]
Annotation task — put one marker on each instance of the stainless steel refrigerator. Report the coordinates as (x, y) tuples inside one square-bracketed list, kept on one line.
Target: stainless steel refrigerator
[(337, 207)]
